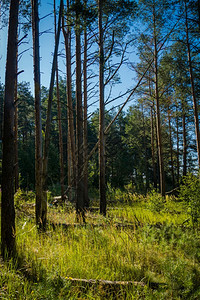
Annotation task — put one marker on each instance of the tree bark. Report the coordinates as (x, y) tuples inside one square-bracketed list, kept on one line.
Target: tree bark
[(195, 105), (70, 116), (158, 123), (16, 130), (38, 121), (102, 165), (153, 150), (177, 143), (79, 124), (171, 148), (48, 123), (62, 184), (7, 200), (184, 140), (85, 137)]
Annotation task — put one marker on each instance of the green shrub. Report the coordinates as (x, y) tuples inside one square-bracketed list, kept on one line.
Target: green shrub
[(190, 195), (155, 201)]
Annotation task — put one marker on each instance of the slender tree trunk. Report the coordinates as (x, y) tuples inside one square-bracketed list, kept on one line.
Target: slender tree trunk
[(158, 123), (195, 105), (48, 123), (70, 116), (16, 131), (7, 200), (145, 151), (85, 138), (62, 184), (102, 165), (79, 124), (177, 146), (184, 140), (153, 149), (38, 121), (171, 148)]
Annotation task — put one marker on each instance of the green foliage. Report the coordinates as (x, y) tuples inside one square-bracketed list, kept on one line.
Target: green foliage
[(22, 196), (155, 201), (189, 194)]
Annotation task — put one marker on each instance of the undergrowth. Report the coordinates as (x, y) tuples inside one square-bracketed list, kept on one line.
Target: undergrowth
[(161, 249)]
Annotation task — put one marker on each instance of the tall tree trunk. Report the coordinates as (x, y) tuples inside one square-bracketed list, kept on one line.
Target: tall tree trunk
[(171, 148), (7, 199), (153, 149), (38, 121), (62, 184), (70, 116), (145, 151), (16, 131), (158, 124), (48, 123), (195, 105), (184, 139), (102, 165), (85, 138), (79, 124), (177, 146)]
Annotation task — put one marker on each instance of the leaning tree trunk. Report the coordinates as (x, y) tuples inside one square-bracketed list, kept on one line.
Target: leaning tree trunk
[(38, 121), (79, 126), (102, 165), (7, 199), (158, 123), (62, 184), (195, 104)]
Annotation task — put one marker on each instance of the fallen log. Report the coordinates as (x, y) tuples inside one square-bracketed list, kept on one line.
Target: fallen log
[(114, 284), (106, 282)]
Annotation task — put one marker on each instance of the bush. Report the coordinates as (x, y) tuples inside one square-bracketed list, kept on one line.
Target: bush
[(155, 201), (189, 194)]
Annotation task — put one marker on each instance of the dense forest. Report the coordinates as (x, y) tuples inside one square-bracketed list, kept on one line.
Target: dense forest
[(112, 143)]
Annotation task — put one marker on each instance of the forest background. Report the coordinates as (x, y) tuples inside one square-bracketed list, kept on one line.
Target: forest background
[(124, 80)]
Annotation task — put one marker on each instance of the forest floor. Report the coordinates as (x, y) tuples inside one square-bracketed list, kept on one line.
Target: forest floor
[(141, 250)]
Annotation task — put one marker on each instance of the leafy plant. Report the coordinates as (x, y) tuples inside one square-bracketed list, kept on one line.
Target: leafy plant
[(155, 201), (189, 194)]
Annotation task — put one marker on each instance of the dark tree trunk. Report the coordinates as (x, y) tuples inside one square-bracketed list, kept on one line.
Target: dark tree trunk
[(158, 123), (16, 131), (195, 104), (145, 151), (38, 121), (184, 140), (79, 126), (177, 143), (62, 184), (48, 123), (102, 165), (70, 116), (85, 138), (153, 149), (171, 148), (7, 199)]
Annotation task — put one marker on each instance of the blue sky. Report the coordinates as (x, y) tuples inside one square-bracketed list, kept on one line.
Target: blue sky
[(46, 50)]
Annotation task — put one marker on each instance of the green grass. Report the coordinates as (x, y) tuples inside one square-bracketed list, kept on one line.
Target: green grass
[(161, 249)]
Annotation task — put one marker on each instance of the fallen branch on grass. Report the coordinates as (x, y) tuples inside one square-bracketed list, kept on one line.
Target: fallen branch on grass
[(106, 282)]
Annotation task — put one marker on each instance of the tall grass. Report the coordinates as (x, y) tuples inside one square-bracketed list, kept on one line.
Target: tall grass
[(160, 250)]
